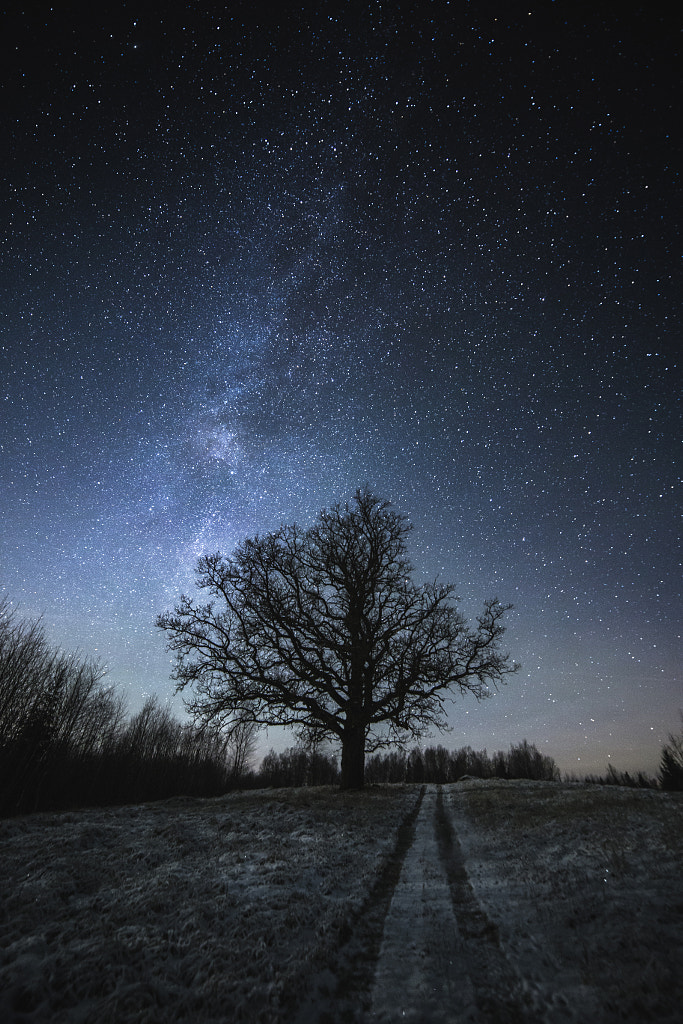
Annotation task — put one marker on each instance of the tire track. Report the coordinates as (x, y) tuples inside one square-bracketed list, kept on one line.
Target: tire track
[(421, 975), (441, 960), (344, 971), (499, 991), (421, 949)]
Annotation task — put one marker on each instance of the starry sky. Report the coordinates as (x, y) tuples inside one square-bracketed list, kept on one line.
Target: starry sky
[(251, 262)]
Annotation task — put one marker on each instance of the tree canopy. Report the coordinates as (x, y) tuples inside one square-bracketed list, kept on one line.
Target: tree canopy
[(324, 629)]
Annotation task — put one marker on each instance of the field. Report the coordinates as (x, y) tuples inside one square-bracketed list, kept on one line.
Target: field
[(480, 901)]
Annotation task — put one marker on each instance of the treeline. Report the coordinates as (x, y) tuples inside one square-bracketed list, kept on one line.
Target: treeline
[(437, 764), (296, 767), (615, 777), (669, 776), (671, 764), (299, 767), (66, 740)]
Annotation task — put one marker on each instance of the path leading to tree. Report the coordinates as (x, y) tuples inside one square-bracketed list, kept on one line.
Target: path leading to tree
[(420, 973), (503, 903), (440, 958), (423, 949), (318, 907)]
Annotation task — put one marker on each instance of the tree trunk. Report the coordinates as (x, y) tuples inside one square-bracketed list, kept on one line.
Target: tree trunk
[(353, 757)]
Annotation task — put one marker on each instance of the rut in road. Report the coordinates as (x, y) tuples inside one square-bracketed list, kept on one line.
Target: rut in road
[(499, 992)]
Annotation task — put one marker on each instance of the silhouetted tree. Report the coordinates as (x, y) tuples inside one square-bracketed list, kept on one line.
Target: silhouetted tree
[(388, 767), (415, 766), (671, 765), (241, 748), (436, 764), (324, 629), (525, 761), (47, 698)]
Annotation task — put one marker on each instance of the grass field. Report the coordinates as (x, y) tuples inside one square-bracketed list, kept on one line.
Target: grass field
[(279, 905)]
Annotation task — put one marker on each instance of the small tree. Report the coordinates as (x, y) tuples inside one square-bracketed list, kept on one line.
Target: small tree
[(324, 629), (671, 764)]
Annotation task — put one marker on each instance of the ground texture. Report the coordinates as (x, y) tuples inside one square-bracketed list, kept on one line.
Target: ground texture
[(477, 902)]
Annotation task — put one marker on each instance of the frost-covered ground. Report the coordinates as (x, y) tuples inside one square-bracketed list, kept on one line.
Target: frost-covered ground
[(186, 910), (585, 889), (483, 901)]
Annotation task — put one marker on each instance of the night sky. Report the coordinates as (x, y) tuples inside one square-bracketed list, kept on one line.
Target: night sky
[(251, 262)]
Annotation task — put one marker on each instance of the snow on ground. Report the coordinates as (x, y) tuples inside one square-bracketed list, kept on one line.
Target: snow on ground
[(185, 910), (421, 974), (479, 902), (585, 886)]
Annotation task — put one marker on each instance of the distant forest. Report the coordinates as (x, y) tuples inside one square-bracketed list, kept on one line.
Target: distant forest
[(298, 767), (66, 741)]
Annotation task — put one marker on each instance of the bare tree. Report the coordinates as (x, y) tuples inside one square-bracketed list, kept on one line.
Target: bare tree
[(241, 747), (325, 630)]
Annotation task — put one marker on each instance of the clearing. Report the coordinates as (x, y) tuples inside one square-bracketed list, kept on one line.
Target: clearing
[(484, 901)]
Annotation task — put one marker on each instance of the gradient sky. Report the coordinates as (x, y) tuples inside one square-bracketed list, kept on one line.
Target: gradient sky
[(249, 265)]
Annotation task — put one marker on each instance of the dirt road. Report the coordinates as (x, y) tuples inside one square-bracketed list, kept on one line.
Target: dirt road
[(424, 950), (440, 959), (421, 971)]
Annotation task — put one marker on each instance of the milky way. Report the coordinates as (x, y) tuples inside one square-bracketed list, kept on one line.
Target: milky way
[(249, 265)]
